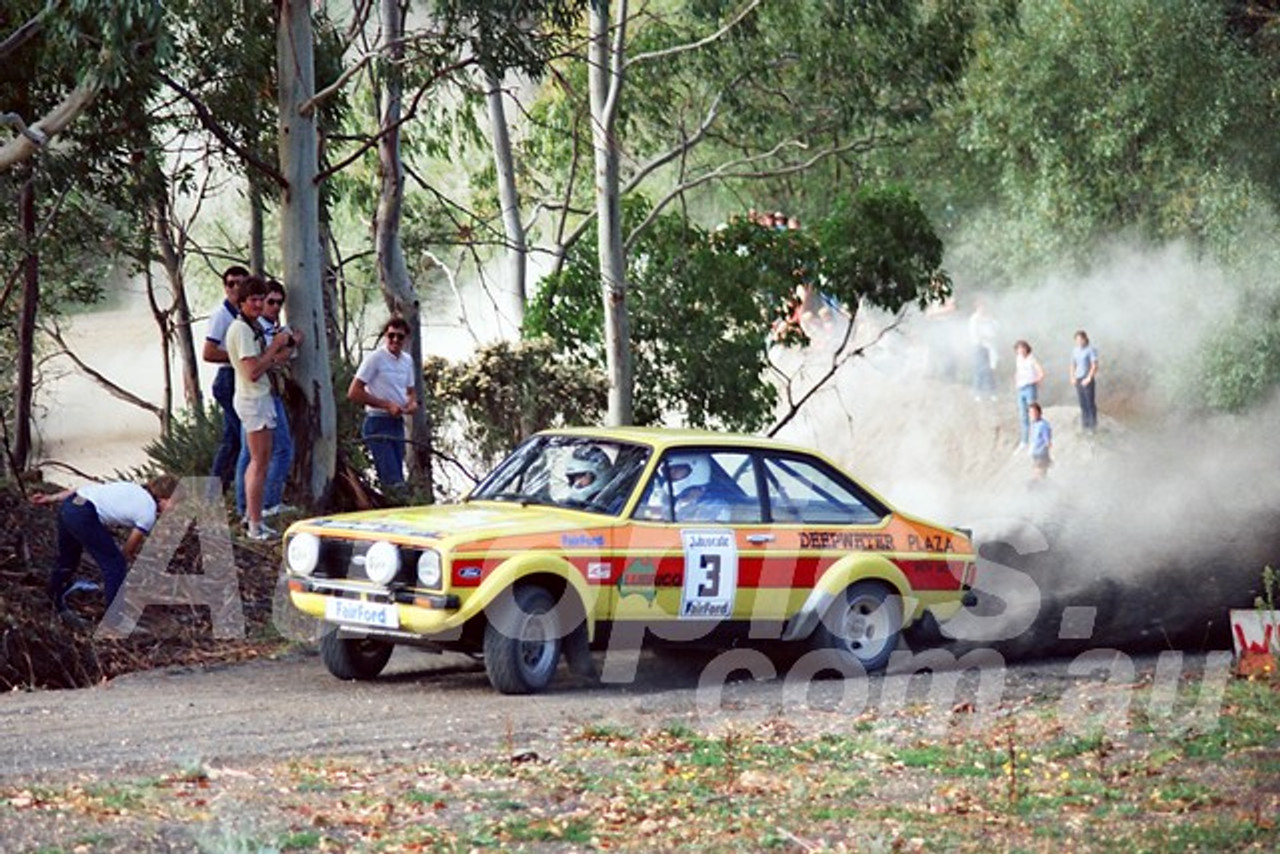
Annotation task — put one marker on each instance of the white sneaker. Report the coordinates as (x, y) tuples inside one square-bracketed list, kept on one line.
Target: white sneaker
[(264, 532), (277, 509)]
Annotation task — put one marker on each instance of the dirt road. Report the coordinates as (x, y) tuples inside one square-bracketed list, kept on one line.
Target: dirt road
[(162, 720)]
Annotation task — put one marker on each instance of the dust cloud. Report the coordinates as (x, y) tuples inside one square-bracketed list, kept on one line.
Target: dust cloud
[(1143, 535)]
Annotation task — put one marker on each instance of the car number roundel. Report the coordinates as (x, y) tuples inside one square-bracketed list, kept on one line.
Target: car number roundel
[(710, 573)]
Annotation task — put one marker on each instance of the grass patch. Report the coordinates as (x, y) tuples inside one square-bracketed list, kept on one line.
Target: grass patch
[(774, 785)]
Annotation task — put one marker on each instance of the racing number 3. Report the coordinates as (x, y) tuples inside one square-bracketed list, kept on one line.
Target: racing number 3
[(710, 573), (710, 588)]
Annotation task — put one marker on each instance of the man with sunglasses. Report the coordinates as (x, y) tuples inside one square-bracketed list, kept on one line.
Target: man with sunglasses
[(384, 384), (224, 384)]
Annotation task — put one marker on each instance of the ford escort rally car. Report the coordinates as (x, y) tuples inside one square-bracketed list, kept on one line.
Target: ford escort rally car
[(587, 537)]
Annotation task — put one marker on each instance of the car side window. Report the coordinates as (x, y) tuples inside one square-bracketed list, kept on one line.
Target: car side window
[(801, 492), (702, 486)]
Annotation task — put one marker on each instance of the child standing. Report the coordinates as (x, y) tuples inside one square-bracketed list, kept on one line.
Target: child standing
[(1041, 442)]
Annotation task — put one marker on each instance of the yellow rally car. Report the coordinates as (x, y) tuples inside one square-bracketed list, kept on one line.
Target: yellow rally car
[(590, 536)]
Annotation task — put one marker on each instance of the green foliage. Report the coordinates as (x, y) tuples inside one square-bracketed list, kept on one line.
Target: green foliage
[(702, 304), (1240, 365), (187, 449), (1084, 119), (879, 246), (508, 391)]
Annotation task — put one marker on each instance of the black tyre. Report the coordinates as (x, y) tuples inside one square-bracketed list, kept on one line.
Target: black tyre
[(522, 640), (864, 623), (354, 658)]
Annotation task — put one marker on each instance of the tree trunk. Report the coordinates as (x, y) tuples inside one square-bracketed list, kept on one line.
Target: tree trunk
[(171, 260), (163, 318), (605, 82), (315, 435), (393, 273), (257, 243), (513, 228), (24, 386)]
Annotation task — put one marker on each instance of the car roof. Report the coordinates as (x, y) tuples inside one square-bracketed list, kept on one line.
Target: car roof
[(670, 437)]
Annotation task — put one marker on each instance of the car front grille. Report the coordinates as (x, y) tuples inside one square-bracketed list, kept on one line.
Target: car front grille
[(345, 559)]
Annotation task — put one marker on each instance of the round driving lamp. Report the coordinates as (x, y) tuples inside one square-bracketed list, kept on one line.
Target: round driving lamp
[(382, 562), (303, 555), (429, 569)]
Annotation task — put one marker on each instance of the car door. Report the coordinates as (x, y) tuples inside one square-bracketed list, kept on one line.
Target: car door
[(684, 562)]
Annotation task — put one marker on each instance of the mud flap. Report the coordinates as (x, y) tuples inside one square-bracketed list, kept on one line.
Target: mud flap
[(924, 632), (577, 654)]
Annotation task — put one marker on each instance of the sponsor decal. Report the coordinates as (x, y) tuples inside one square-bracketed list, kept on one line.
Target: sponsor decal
[(582, 541), (641, 578), (929, 543), (362, 613), (710, 574), (599, 571), (375, 528), (849, 540), (470, 573)]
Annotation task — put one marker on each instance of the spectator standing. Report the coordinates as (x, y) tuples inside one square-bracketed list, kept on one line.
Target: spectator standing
[(1041, 442), (982, 338), (83, 520), (1084, 375), (281, 439), (1027, 376), (224, 383), (384, 385), (253, 358)]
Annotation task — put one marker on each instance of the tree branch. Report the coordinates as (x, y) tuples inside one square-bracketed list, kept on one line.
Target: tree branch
[(726, 171), (112, 388), (26, 32), (703, 42), (838, 360), (31, 139), (408, 114), (210, 124)]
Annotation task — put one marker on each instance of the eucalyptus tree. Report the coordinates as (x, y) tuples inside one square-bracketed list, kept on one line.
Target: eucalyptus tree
[(694, 105), (54, 169), (100, 45), (713, 309), (495, 36)]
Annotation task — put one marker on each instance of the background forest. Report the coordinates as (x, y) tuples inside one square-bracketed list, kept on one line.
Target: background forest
[(575, 179)]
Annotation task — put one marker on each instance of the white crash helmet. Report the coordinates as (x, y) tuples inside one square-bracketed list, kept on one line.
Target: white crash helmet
[(586, 472), (699, 473)]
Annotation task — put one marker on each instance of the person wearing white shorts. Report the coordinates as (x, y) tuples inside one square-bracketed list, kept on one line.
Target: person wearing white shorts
[(252, 358)]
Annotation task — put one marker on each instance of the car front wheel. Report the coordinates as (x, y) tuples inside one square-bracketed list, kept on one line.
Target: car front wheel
[(864, 623), (522, 640), (354, 658)]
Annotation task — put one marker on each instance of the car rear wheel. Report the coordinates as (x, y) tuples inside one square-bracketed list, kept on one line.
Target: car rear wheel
[(522, 640), (865, 623), (354, 658)]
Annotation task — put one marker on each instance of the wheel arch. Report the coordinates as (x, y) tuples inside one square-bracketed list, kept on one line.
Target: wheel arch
[(551, 572), (837, 578)]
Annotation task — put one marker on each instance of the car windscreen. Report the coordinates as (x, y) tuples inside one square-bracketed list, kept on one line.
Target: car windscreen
[(575, 472)]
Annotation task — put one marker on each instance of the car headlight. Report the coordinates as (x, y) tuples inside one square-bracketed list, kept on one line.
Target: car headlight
[(429, 569), (304, 554), (382, 562)]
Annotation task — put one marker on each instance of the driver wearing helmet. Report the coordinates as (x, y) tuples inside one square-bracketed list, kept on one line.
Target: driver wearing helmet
[(697, 498), (587, 472)]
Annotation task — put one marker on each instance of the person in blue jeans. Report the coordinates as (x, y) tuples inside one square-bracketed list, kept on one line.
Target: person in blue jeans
[(1041, 442), (83, 519), (1027, 376), (224, 383), (281, 439), (384, 385), (1084, 374)]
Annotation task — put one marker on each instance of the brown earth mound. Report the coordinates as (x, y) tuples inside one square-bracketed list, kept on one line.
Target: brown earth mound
[(39, 649)]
